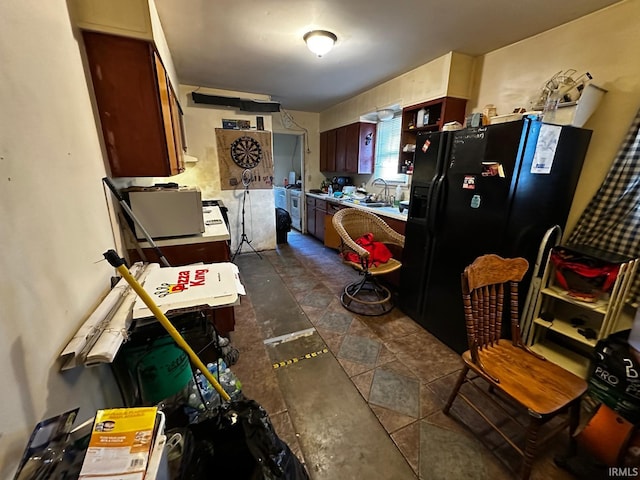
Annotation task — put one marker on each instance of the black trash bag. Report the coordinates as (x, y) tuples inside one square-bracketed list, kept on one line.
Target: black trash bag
[(283, 220), (239, 442), (615, 376)]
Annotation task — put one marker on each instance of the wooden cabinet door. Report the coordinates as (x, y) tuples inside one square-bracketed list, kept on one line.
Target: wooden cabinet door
[(352, 147), (321, 212), (311, 216), (328, 151), (331, 237), (331, 150), (170, 118), (360, 148), (134, 105), (323, 151), (366, 147), (341, 150)]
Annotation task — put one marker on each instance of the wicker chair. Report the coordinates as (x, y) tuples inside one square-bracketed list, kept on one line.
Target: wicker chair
[(366, 296)]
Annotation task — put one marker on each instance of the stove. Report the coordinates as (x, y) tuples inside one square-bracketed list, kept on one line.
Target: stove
[(295, 208)]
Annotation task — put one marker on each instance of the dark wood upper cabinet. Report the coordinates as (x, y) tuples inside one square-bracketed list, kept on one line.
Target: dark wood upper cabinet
[(361, 146), (348, 149), (341, 149), (139, 112), (328, 151)]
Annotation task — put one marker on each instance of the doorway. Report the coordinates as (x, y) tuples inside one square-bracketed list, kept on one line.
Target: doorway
[(288, 166)]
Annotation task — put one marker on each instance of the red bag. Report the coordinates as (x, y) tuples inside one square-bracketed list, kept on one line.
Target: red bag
[(378, 251), (583, 276)]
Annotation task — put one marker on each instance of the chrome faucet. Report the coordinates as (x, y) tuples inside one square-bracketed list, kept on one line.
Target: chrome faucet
[(386, 198)]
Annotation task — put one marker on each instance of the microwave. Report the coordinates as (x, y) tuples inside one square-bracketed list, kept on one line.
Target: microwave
[(167, 212)]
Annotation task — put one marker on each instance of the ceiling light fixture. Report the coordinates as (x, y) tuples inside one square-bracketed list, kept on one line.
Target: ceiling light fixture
[(320, 42), (385, 114)]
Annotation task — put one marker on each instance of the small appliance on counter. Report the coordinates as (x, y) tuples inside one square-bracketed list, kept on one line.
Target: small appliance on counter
[(167, 212), (337, 183)]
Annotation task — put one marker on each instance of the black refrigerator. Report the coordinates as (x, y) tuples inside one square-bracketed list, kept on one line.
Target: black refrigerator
[(491, 189)]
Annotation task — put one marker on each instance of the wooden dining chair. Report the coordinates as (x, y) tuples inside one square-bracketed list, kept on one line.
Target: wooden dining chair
[(540, 387), (366, 296)]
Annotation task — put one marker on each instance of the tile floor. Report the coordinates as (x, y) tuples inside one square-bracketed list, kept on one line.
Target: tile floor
[(358, 397)]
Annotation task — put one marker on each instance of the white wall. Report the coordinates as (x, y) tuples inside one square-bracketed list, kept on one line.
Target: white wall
[(449, 75), (606, 44), (55, 224)]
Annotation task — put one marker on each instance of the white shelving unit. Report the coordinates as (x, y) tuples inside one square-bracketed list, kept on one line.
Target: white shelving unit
[(559, 320)]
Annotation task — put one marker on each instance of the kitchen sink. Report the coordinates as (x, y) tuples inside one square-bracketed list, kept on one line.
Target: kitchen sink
[(368, 204)]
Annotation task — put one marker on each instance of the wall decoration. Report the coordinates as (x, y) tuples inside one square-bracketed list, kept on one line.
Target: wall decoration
[(240, 150)]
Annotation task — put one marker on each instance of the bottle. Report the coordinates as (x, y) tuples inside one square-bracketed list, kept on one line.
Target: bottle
[(330, 189), (398, 195), (420, 118)]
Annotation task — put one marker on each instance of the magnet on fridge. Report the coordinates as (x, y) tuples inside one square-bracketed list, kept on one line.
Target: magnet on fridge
[(469, 182), (425, 146), (475, 201)]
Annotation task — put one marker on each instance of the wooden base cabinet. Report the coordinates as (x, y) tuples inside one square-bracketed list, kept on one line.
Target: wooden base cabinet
[(316, 211), (186, 254), (331, 237), (139, 112)]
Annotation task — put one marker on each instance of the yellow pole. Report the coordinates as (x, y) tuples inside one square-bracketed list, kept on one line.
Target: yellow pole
[(164, 321)]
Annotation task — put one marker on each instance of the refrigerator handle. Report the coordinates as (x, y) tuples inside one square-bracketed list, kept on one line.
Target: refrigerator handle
[(435, 203)]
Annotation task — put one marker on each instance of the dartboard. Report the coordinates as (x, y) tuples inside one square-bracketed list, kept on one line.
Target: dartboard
[(246, 152)]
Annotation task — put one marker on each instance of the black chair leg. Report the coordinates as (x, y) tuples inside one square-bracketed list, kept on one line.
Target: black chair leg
[(352, 300)]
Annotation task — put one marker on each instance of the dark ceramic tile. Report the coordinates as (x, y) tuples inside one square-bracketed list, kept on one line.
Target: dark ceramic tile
[(408, 441), (363, 383), (353, 369), (429, 401), (306, 278), (318, 300), (335, 321), (395, 392), (385, 357), (428, 366), (391, 420), (390, 328), (446, 454), (359, 349)]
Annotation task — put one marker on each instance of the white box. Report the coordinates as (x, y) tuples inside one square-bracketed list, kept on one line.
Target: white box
[(167, 212), (577, 113)]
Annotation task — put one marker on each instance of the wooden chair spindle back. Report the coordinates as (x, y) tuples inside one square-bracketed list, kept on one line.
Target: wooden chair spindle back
[(483, 289)]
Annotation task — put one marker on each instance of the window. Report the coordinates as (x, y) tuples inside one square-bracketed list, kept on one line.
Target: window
[(387, 150)]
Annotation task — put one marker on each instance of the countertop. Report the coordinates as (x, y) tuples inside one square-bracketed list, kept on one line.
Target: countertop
[(391, 212), (215, 230)]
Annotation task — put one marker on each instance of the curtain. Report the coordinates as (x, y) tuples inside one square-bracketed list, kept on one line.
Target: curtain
[(611, 221)]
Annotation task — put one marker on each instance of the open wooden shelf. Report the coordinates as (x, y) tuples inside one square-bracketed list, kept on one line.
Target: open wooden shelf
[(442, 110)]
